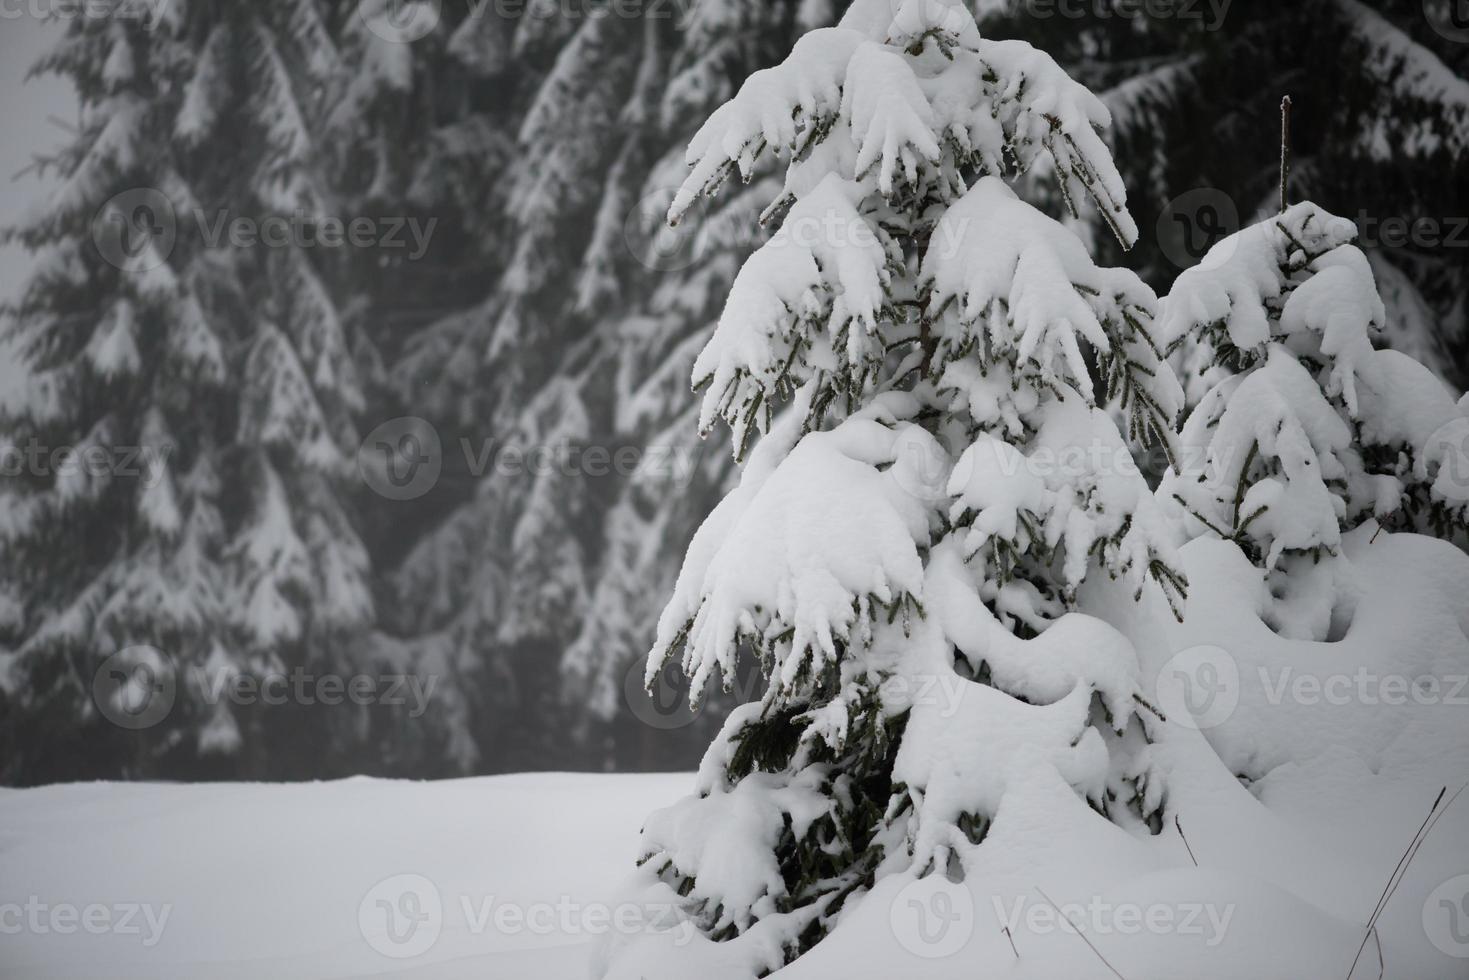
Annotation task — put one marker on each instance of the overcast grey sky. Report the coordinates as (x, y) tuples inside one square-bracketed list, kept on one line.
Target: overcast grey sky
[(24, 126)]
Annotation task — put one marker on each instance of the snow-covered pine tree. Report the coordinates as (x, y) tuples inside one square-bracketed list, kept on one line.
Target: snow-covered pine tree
[(228, 371), (904, 546), (1381, 124), (1305, 430)]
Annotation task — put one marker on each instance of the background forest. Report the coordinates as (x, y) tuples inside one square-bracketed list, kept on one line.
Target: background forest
[(452, 458)]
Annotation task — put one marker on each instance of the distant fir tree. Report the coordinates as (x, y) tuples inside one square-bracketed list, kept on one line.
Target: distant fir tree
[(236, 371), (553, 167)]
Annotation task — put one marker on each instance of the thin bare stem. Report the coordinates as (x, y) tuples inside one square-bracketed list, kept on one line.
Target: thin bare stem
[(1284, 153), (1185, 840), (1095, 951), (1395, 878)]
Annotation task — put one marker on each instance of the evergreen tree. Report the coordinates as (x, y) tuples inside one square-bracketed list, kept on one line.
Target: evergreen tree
[(1380, 124), (230, 372), (1308, 431), (574, 345), (949, 470)]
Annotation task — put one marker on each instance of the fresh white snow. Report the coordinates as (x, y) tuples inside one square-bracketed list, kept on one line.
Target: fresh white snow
[(249, 881)]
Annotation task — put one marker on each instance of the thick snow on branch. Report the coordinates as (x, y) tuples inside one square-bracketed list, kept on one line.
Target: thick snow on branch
[(805, 553), (773, 107), (1004, 278), (1274, 418), (808, 300), (911, 86), (1077, 493), (1243, 275)]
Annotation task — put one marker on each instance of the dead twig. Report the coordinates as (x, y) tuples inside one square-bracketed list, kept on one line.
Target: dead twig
[(1095, 951)]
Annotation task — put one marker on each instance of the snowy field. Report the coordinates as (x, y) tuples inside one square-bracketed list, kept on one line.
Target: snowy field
[(248, 881), (253, 881)]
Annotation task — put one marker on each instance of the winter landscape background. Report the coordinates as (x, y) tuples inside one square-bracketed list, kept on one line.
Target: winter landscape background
[(516, 317), (1072, 582)]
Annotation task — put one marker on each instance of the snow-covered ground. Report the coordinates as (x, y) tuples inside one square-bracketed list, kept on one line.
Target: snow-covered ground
[(249, 881), (518, 876)]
